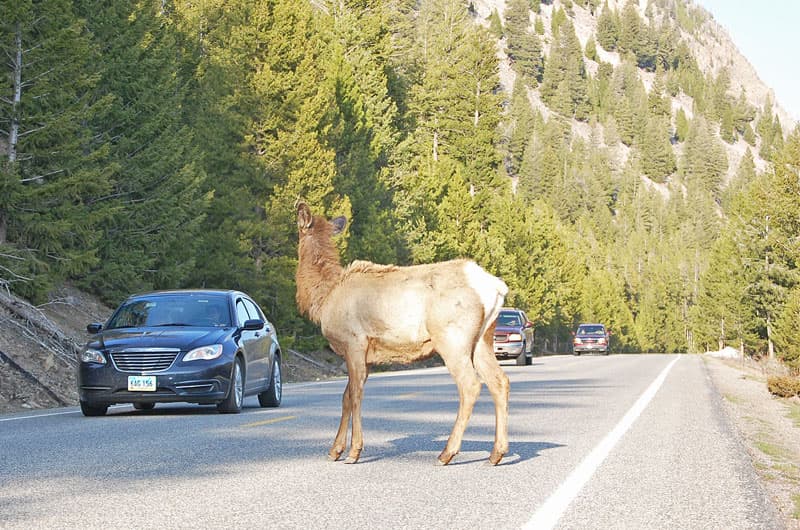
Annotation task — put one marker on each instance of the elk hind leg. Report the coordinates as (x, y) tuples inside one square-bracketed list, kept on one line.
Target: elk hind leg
[(497, 382), (469, 388)]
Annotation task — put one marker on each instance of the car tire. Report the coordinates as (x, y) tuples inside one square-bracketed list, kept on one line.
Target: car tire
[(144, 406), (271, 397), (233, 402), (529, 359), (93, 410)]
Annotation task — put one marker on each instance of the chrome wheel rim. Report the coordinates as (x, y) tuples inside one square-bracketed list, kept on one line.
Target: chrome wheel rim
[(276, 377), (238, 386)]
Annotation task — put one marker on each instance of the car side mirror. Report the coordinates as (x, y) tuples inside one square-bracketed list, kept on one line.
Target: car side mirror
[(528, 324), (94, 328), (253, 324)]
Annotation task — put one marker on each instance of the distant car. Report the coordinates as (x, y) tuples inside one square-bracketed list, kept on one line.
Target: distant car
[(196, 346), (591, 338), (513, 336)]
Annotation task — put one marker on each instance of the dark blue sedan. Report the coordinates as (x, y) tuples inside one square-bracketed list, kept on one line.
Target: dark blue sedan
[(195, 346)]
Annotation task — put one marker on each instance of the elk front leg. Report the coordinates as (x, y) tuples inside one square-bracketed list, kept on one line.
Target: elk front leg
[(358, 377), (341, 435)]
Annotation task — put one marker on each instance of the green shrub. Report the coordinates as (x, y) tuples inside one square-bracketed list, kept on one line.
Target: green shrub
[(784, 386)]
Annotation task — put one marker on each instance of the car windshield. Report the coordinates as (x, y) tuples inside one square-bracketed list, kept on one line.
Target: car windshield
[(509, 319), (172, 310), (591, 330)]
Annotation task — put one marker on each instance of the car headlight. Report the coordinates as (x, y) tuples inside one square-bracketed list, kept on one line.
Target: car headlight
[(204, 353), (92, 356), (514, 337)]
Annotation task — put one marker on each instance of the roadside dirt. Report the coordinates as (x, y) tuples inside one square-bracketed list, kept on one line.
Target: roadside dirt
[(769, 426)]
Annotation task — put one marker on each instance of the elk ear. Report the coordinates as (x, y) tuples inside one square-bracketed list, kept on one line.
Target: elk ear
[(304, 217), (339, 224)]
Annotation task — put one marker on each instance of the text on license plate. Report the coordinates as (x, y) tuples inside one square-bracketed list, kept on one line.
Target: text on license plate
[(141, 383)]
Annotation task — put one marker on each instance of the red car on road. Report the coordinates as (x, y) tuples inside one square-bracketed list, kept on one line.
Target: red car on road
[(591, 338), (513, 336)]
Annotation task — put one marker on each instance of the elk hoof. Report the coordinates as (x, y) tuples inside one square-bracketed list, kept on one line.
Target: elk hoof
[(334, 454), (495, 457), (445, 458), (352, 459)]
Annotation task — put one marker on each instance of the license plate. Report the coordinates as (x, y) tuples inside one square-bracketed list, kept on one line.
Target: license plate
[(141, 383)]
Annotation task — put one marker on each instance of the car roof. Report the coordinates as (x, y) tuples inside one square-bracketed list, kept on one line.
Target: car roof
[(226, 292), (512, 309), (589, 324)]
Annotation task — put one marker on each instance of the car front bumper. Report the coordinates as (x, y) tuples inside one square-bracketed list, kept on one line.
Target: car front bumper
[(590, 348), (508, 349), (195, 382)]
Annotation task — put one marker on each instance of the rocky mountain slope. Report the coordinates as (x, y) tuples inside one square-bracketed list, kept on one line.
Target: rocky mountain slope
[(710, 44)]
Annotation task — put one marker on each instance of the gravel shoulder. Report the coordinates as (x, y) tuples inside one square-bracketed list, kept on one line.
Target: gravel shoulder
[(770, 429)]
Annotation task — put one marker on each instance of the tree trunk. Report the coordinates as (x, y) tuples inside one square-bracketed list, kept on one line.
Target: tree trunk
[(13, 134)]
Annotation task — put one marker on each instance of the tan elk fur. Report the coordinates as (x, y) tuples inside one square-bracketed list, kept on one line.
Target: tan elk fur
[(384, 313)]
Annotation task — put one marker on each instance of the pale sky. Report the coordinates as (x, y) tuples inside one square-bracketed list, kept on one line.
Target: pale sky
[(767, 33)]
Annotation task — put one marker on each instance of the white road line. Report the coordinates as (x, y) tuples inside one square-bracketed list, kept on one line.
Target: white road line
[(554, 507), (39, 415)]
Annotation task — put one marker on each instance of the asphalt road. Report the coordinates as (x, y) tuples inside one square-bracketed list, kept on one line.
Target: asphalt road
[(624, 441)]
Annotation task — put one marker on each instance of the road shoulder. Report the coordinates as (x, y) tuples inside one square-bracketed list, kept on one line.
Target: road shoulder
[(770, 428)]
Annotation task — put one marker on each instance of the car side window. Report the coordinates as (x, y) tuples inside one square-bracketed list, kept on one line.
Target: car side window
[(241, 313), (252, 309)]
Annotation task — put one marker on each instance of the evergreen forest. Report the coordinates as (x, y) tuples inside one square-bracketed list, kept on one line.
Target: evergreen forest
[(157, 144)]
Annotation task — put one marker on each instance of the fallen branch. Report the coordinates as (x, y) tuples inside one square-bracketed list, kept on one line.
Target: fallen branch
[(313, 361)]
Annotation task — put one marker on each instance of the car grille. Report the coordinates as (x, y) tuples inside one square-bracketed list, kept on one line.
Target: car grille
[(144, 360)]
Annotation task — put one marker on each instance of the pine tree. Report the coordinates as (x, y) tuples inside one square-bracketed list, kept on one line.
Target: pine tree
[(523, 127), (591, 49), (495, 24), (681, 125), (564, 85), (524, 48), (658, 159), (787, 340), (157, 205), (704, 161), (607, 28), (52, 161)]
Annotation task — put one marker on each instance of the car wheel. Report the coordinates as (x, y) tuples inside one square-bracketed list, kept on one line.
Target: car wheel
[(233, 403), (93, 410), (271, 397), (144, 406), (529, 359)]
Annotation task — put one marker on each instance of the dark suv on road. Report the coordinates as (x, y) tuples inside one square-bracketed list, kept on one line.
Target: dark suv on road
[(513, 336), (591, 338)]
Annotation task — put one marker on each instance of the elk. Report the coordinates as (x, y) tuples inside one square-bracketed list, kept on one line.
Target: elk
[(372, 314)]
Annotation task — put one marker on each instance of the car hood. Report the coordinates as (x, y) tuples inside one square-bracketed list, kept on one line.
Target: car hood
[(508, 329), (184, 338)]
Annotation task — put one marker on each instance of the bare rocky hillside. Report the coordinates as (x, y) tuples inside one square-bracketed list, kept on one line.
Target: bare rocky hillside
[(711, 46)]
